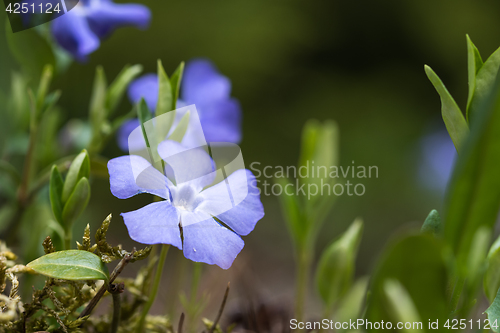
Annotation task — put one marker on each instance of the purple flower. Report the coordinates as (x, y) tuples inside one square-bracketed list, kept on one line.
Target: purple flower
[(206, 223), (202, 85), (79, 31), (438, 157)]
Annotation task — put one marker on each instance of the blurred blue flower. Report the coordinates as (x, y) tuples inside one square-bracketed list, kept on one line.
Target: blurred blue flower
[(438, 157), (80, 30), (205, 223), (202, 85)]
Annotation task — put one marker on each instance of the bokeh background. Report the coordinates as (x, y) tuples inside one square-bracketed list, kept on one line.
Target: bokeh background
[(359, 63)]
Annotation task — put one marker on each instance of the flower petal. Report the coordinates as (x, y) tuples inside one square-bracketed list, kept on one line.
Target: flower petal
[(187, 165), (237, 203), (209, 242), (130, 175), (106, 16), (203, 84), (156, 223), (221, 121), (73, 34), (144, 87)]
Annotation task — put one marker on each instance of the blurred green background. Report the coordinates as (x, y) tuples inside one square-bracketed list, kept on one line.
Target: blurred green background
[(357, 62)]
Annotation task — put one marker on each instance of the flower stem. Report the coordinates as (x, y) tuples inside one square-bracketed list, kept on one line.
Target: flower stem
[(154, 288)]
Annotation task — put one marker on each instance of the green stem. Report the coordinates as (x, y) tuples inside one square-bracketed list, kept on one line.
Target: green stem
[(303, 272), (154, 288), (116, 313), (192, 308), (68, 235), (457, 292)]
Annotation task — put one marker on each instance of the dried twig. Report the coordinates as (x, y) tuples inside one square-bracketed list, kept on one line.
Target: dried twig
[(221, 309)]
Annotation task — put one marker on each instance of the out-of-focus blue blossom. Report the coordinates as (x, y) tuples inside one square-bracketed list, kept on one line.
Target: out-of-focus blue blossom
[(202, 85), (438, 157), (80, 30), (187, 205)]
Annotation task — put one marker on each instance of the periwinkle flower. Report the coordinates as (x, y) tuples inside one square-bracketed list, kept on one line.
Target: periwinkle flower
[(206, 223), (202, 85), (80, 30)]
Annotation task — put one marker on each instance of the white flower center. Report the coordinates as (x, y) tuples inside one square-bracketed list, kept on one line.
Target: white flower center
[(185, 198)]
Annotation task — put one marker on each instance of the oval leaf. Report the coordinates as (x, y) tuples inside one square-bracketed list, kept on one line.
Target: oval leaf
[(80, 167), (77, 202), (71, 265), (55, 189)]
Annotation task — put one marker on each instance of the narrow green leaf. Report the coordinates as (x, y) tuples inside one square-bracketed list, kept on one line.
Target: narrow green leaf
[(452, 115), (181, 128), (491, 281), (175, 81), (474, 64), (55, 190), (402, 308), (118, 87), (476, 260), (80, 167), (432, 223), (43, 87), (98, 100), (310, 134), (290, 206), (493, 313), (165, 96), (485, 82), (417, 263), (77, 202), (336, 267), (473, 199), (71, 265), (144, 116), (351, 305)]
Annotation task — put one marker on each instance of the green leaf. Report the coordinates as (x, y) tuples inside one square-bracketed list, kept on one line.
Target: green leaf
[(493, 313), (80, 167), (98, 100), (43, 87), (432, 223), (491, 281), (175, 82), (165, 96), (144, 116), (290, 206), (473, 199), (351, 305), (71, 265), (474, 64), (77, 202), (23, 43), (310, 134), (181, 128), (336, 267), (402, 308), (417, 263), (452, 115), (485, 82), (117, 89), (55, 190)]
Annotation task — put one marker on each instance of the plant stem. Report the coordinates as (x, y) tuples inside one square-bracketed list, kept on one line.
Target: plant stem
[(154, 288), (457, 292), (115, 291), (303, 270), (68, 235)]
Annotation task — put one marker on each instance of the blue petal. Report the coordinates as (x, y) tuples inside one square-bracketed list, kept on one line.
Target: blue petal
[(193, 166), (203, 84), (211, 243), (73, 34), (236, 203), (123, 136), (221, 121), (106, 16), (156, 223), (130, 175), (144, 87)]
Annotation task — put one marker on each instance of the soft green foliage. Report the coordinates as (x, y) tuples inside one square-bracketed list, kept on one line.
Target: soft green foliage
[(180, 129), (416, 262), (473, 199), (493, 313), (474, 64), (351, 305), (400, 304), (492, 275), (432, 223), (80, 168), (452, 115), (77, 202), (75, 265), (335, 270)]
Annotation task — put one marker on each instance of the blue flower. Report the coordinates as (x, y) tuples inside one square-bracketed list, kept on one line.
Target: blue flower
[(202, 85), (206, 223), (80, 30)]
